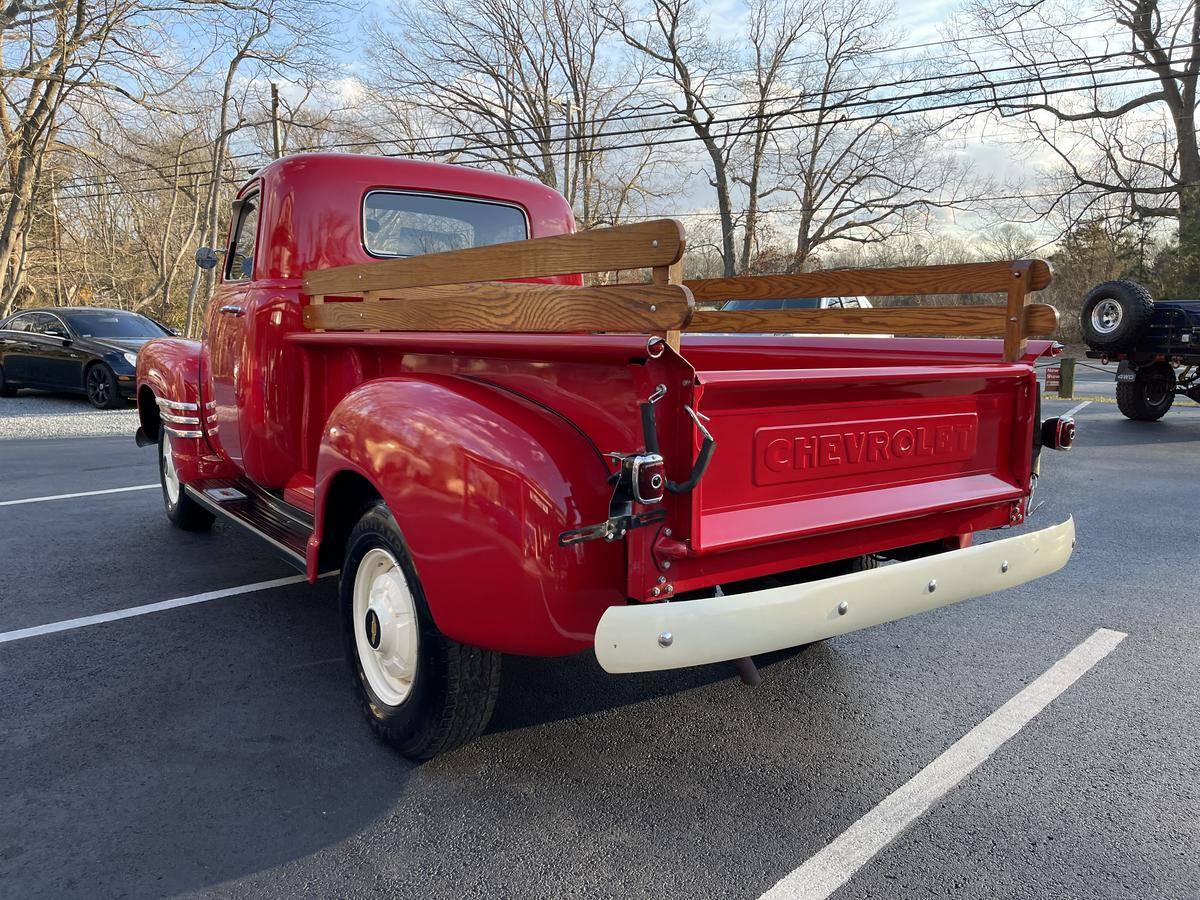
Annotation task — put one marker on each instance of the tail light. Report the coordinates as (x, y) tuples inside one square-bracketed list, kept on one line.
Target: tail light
[(1058, 433), (649, 477)]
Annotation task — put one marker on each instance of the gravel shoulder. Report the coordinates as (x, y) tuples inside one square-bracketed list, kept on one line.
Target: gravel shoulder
[(36, 415)]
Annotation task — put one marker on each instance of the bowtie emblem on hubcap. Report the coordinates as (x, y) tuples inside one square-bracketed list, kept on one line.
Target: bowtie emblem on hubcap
[(373, 631)]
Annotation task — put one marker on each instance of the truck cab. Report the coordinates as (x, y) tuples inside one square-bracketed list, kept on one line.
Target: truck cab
[(403, 377)]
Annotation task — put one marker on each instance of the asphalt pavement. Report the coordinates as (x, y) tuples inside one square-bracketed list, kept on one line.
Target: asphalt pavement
[(214, 749)]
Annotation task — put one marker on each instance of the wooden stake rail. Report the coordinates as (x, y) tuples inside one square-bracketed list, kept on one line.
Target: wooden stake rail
[(472, 290)]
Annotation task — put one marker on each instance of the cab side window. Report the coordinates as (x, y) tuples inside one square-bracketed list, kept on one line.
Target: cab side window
[(240, 266)]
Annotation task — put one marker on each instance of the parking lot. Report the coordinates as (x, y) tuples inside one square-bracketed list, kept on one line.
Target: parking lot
[(213, 747)]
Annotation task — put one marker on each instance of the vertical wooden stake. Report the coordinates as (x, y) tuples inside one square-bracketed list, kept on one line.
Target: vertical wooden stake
[(316, 300), (672, 274), (663, 275), (371, 297), (1014, 320)]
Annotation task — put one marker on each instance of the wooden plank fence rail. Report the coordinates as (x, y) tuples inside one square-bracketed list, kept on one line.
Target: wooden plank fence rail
[(1040, 320), (645, 245), (500, 306), (472, 290), (908, 281)]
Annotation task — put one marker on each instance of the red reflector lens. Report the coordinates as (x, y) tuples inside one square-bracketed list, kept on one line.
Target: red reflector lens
[(650, 479)]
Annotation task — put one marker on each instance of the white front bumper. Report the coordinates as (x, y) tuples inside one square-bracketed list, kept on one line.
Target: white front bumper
[(632, 638)]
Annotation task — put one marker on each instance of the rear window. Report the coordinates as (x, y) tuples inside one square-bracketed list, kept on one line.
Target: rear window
[(402, 224)]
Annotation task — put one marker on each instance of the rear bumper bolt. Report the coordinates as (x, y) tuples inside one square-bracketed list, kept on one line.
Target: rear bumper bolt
[(666, 639), (1004, 566), (932, 585), (843, 608)]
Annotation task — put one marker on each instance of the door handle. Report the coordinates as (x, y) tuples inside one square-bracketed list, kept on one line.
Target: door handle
[(232, 310)]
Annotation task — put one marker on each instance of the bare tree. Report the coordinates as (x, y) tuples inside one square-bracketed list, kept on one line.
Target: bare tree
[(526, 85), (1122, 131)]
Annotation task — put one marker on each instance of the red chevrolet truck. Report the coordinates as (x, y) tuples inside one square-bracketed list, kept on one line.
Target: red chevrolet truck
[(420, 377)]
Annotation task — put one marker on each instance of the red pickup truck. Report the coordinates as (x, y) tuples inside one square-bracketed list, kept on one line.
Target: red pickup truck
[(403, 377)]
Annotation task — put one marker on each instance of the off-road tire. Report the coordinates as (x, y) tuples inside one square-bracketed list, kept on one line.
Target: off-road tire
[(100, 386), (454, 687), (1148, 397), (6, 390), (1136, 309), (183, 512)]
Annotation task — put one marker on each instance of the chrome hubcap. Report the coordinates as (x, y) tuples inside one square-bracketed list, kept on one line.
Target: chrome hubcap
[(1106, 316), (385, 626)]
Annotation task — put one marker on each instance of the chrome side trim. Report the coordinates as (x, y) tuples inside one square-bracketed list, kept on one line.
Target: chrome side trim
[(179, 405), (647, 637), (178, 420), (175, 432)]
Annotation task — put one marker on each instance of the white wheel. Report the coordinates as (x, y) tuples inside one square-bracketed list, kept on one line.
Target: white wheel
[(422, 692), (386, 632), (182, 511), (170, 478)]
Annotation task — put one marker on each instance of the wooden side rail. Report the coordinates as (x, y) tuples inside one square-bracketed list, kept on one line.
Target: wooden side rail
[(645, 245), (499, 306), (1014, 321), (908, 281), (1040, 320), (472, 290)]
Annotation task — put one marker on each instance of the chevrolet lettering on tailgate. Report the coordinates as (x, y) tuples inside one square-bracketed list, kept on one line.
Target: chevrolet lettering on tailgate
[(801, 452)]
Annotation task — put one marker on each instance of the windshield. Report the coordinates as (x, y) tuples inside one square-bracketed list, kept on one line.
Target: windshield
[(791, 303), (112, 325)]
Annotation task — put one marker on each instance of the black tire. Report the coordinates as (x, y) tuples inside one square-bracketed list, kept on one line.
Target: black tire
[(1148, 397), (100, 385), (183, 512), (1115, 314), (454, 686), (6, 390)]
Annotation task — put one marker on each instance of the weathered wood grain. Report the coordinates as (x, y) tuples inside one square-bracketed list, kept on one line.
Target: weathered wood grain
[(641, 245), (968, 278), (959, 321), (499, 306)]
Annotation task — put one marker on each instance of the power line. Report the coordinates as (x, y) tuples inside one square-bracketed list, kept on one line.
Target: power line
[(672, 126), (148, 172), (777, 127)]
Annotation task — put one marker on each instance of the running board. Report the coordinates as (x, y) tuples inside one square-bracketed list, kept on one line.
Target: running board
[(283, 527)]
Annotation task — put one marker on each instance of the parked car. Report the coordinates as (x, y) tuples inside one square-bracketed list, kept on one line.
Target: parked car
[(78, 350), (404, 380), (1156, 341)]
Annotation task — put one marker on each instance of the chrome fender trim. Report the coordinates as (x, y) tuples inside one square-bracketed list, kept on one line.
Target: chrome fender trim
[(652, 636)]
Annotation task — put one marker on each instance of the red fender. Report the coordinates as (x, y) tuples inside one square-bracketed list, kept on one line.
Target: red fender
[(168, 372), (481, 482)]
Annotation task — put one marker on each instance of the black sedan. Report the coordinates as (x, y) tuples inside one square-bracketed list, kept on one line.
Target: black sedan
[(80, 350)]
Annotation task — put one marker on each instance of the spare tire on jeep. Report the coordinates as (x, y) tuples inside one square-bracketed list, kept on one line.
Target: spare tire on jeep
[(1115, 314)]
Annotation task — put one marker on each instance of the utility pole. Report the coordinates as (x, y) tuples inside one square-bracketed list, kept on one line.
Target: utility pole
[(54, 226), (275, 142)]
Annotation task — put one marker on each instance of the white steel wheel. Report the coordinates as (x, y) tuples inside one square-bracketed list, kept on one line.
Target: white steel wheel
[(182, 511), (170, 477), (386, 630)]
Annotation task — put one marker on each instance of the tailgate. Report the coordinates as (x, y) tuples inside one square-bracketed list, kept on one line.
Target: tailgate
[(809, 451)]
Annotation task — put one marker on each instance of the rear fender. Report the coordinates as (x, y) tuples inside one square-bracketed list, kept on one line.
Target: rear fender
[(481, 482)]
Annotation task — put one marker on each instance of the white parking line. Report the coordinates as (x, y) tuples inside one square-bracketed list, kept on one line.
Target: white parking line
[(130, 612), (1076, 408), (136, 487), (833, 866)]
